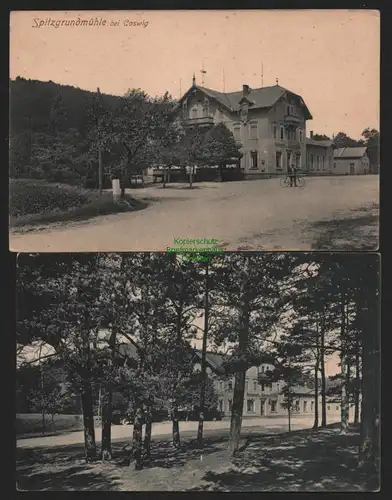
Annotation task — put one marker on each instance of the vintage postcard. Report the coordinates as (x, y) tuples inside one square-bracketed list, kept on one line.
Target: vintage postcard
[(194, 131), (255, 372)]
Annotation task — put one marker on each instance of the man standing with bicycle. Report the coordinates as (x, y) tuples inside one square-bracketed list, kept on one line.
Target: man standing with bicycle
[(292, 173)]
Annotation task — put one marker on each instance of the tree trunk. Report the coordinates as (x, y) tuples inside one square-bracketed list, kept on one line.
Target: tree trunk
[(90, 448), (289, 415), (106, 414), (344, 404), (322, 371), (239, 380), (137, 438), (100, 170), (357, 379), (176, 426), (191, 176), (203, 362), (106, 449), (369, 451), (316, 395), (147, 436)]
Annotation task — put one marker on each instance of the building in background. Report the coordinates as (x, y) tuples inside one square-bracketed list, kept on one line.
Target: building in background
[(269, 123), (263, 398), (319, 156), (351, 161)]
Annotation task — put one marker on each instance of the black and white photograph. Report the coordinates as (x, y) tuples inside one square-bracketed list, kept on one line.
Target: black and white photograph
[(237, 130), (168, 372)]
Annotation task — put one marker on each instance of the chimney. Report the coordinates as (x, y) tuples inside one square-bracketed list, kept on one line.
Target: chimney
[(245, 90), (311, 134)]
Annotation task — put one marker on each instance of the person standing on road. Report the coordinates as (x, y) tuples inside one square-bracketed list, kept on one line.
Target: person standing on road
[(292, 171)]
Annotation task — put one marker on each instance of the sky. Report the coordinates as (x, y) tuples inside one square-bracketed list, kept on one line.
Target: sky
[(329, 57)]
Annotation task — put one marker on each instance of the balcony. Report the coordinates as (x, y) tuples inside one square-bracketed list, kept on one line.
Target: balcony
[(292, 120), (199, 121)]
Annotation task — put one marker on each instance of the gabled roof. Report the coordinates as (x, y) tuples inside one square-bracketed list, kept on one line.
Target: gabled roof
[(264, 97), (214, 360), (350, 152), (324, 143)]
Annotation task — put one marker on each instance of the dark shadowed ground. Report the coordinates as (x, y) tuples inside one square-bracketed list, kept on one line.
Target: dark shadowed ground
[(304, 460)]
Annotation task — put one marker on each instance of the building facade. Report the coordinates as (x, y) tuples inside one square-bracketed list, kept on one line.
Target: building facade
[(268, 123), (262, 398), (351, 161), (319, 156)]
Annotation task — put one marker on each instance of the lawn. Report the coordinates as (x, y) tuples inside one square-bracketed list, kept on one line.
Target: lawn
[(304, 460), (35, 202)]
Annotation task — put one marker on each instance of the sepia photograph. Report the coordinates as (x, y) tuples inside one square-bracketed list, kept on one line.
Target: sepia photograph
[(163, 372), (170, 131)]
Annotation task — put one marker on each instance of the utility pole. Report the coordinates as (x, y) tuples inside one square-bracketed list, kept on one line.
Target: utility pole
[(203, 360)]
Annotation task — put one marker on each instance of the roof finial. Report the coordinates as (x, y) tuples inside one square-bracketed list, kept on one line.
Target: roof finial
[(277, 81), (194, 80)]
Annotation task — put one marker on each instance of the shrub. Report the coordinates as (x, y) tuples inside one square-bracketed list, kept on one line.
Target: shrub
[(33, 197)]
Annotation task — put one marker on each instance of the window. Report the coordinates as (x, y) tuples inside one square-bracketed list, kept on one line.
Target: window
[(287, 110), (263, 367), (273, 405), (282, 406), (220, 385), (253, 131), (255, 385), (282, 132), (322, 162), (194, 112), (305, 406), (301, 135), (298, 160), (230, 386), (337, 407), (329, 407), (253, 156), (220, 405), (230, 403), (262, 387), (274, 130), (317, 162), (334, 165), (311, 405), (250, 406)]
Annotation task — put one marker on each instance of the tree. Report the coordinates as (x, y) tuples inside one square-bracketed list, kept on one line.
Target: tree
[(141, 125), (250, 301), (342, 140), (371, 139), (219, 147), (99, 136), (51, 395), (320, 137)]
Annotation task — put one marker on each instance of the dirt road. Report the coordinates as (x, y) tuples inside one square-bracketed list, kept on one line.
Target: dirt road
[(248, 215)]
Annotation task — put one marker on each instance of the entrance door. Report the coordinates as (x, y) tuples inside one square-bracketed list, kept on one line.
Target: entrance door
[(262, 411), (352, 169)]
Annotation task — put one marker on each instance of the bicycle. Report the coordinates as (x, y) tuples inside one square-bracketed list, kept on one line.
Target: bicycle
[(285, 181)]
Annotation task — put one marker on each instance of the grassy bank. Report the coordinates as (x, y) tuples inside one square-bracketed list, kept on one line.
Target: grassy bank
[(35, 202)]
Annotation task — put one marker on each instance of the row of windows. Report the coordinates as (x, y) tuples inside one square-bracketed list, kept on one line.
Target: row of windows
[(250, 406), (289, 134), (251, 385), (319, 162), (292, 159)]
